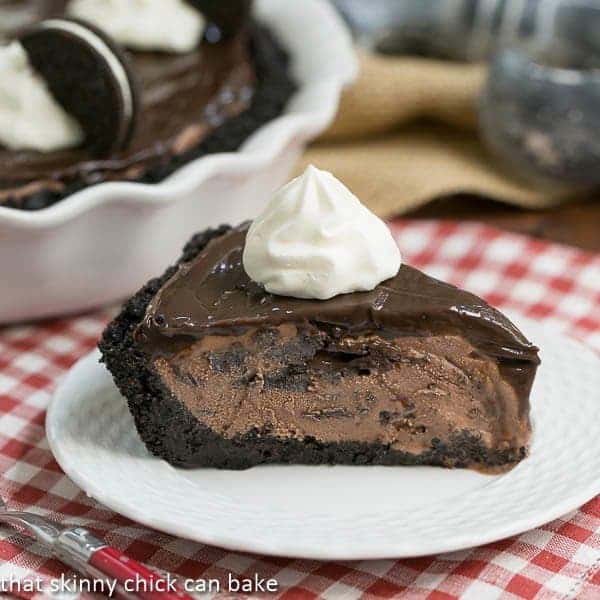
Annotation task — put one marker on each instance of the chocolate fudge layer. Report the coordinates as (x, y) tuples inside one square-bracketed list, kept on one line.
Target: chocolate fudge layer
[(220, 373), (187, 102)]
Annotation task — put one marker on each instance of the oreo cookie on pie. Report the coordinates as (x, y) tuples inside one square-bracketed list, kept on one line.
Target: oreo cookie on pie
[(124, 95), (301, 338), (90, 77)]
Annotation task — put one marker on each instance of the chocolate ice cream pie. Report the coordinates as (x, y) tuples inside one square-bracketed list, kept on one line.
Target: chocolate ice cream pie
[(301, 338), (201, 76)]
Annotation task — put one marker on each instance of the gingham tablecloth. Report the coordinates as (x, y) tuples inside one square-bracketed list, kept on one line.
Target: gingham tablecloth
[(557, 285)]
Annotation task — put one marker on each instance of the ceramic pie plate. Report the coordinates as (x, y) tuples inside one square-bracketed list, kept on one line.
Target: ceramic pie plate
[(323, 512), (102, 243)]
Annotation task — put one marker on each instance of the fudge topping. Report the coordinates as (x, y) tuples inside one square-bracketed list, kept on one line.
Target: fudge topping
[(212, 293), (183, 97), (228, 16)]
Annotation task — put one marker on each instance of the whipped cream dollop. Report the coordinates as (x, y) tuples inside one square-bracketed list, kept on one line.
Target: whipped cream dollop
[(168, 25), (30, 117), (316, 240)]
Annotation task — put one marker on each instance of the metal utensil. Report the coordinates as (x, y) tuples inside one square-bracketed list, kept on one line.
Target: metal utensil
[(90, 556)]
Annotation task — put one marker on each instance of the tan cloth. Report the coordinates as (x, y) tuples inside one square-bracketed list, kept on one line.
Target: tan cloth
[(406, 133)]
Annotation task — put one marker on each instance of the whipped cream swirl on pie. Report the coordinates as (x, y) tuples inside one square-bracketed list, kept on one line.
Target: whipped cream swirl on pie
[(316, 240), (30, 117), (168, 25)]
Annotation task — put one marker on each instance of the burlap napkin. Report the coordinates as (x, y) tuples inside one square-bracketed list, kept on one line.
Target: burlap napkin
[(406, 133)]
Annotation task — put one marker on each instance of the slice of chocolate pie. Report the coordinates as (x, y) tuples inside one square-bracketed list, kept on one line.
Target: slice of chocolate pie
[(219, 372)]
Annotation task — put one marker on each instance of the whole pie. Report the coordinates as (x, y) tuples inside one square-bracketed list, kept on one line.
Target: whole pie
[(207, 99)]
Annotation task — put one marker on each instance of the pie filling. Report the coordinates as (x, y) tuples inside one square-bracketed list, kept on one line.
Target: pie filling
[(406, 393)]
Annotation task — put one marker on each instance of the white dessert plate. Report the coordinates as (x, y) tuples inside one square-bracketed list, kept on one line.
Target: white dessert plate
[(339, 512)]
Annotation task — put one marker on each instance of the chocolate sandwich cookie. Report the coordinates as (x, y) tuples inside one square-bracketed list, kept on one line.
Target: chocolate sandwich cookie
[(89, 76)]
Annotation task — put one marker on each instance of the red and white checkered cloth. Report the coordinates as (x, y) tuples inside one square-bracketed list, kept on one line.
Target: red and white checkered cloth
[(554, 284)]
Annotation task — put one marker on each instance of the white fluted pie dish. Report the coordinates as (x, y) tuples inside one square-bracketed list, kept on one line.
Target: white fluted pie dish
[(101, 244)]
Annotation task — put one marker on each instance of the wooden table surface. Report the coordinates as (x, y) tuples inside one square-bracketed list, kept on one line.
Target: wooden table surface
[(576, 224)]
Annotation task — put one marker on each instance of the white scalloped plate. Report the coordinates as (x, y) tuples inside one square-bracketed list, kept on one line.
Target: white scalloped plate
[(340, 512)]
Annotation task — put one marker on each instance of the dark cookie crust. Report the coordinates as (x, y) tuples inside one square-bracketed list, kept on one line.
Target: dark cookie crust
[(273, 90), (170, 431)]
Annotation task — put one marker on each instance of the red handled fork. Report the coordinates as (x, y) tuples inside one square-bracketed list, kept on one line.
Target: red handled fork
[(90, 556)]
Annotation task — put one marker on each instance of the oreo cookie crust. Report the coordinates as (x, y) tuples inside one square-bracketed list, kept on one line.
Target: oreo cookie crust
[(272, 89), (196, 399)]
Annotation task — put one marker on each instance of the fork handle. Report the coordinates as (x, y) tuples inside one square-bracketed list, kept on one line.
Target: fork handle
[(148, 584), (86, 553)]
